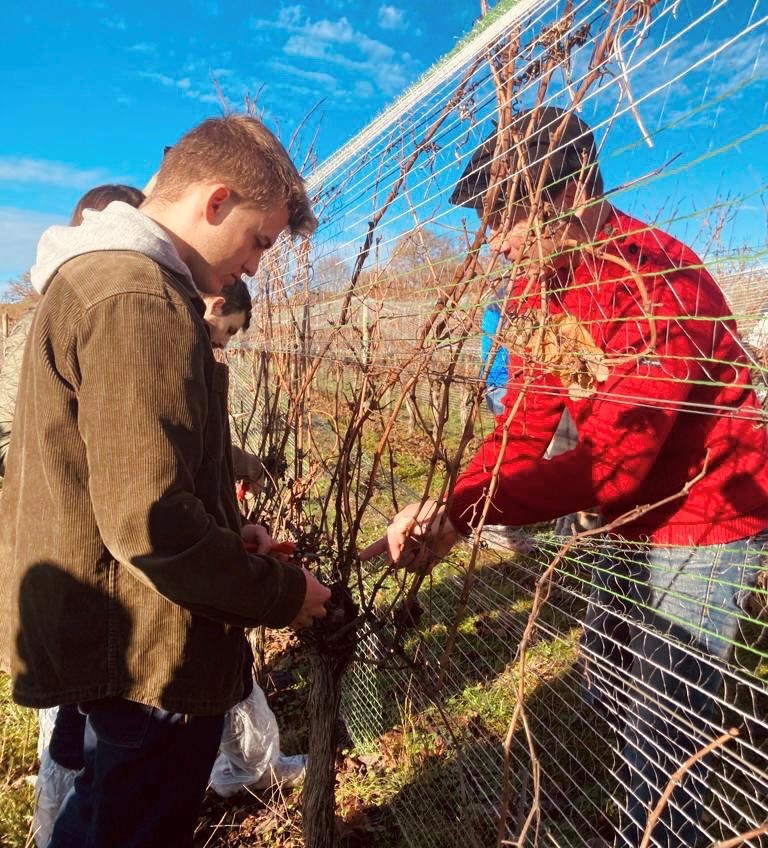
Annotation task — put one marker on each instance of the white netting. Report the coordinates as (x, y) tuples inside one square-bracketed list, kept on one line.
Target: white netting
[(602, 666)]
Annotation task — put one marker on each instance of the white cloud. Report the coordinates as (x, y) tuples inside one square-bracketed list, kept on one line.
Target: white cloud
[(294, 90), (115, 23), (184, 85), (163, 79), (366, 57), (687, 83), (20, 230), (335, 32), (20, 169), (342, 32), (319, 77), (337, 42), (307, 48), (143, 47), (290, 16), (390, 17), (363, 89), (724, 71)]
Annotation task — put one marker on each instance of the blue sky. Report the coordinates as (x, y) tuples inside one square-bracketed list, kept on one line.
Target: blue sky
[(699, 79), (99, 87)]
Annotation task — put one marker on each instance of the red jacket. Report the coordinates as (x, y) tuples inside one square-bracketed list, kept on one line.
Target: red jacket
[(648, 428)]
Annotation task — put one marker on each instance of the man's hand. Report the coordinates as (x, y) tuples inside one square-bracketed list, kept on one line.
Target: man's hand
[(419, 536), (258, 541), (315, 599), (257, 536)]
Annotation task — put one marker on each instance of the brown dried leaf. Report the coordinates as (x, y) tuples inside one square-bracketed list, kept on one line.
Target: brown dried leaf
[(565, 348)]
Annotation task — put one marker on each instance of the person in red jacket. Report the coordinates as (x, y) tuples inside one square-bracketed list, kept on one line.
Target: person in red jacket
[(637, 344)]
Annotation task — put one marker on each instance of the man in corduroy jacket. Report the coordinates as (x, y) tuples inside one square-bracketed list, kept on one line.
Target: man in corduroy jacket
[(130, 584)]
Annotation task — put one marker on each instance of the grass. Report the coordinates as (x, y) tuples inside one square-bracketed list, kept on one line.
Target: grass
[(17, 762), (418, 771)]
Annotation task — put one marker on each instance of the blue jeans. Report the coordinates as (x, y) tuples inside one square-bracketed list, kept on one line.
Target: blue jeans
[(659, 627), (144, 776)]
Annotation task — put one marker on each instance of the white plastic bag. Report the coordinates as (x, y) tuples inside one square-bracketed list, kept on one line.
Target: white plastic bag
[(45, 722), (53, 782), (249, 754)]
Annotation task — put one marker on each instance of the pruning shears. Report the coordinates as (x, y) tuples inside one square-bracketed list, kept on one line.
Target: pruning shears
[(286, 548)]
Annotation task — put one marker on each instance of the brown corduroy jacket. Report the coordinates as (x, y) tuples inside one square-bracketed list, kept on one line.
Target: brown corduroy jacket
[(120, 554)]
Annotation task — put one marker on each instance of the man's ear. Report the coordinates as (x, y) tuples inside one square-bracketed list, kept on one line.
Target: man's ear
[(216, 306), (219, 201)]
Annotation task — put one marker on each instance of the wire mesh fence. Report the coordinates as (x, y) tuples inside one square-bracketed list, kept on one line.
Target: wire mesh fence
[(480, 322)]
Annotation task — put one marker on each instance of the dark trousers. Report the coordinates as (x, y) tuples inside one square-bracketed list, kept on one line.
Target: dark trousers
[(66, 746), (145, 772)]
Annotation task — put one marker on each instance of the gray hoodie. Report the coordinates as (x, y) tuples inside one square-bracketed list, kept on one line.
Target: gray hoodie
[(118, 227)]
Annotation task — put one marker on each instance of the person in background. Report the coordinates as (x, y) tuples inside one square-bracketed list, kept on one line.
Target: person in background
[(96, 199), (496, 379), (657, 346), (57, 768), (60, 758), (249, 754), (122, 411), (227, 313)]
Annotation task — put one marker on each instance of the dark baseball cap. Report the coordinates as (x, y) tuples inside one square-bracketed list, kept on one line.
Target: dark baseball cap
[(576, 146)]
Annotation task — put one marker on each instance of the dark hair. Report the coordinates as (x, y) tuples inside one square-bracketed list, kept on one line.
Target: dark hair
[(100, 197), (574, 158), (242, 153), (237, 298)]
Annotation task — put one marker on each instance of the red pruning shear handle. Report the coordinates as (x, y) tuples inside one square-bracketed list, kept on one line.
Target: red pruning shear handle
[(285, 548)]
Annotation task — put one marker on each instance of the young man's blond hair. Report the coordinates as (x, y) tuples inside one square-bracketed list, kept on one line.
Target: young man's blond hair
[(242, 153)]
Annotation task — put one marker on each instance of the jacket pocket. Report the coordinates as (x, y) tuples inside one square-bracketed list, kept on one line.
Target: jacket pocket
[(216, 427), (117, 722)]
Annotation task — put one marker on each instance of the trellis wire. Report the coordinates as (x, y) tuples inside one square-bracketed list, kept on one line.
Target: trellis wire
[(668, 75)]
